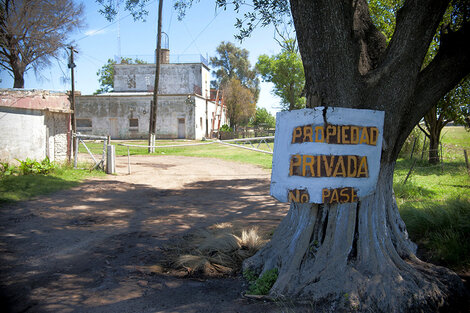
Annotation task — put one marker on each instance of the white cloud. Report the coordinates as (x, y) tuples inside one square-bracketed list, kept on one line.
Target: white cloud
[(94, 32)]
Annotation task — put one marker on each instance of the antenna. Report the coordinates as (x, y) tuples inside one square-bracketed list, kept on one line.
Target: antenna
[(118, 33)]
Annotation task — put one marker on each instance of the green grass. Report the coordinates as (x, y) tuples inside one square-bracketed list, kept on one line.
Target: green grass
[(456, 135), (442, 230), (24, 187)]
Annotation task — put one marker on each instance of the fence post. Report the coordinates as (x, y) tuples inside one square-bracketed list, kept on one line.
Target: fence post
[(466, 161), (442, 159), (413, 148), (424, 147), (75, 150), (110, 160), (409, 172), (128, 161)]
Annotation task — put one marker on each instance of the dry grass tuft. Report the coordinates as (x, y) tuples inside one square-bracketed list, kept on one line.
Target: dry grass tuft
[(215, 251)]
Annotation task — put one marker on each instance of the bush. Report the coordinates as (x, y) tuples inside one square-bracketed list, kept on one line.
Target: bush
[(7, 170), (31, 167), (441, 229), (226, 128)]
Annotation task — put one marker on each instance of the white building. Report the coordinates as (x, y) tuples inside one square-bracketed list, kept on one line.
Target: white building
[(185, 108)]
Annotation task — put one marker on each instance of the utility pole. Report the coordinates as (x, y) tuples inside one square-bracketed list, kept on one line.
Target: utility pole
[(153, 111), (71, 66)]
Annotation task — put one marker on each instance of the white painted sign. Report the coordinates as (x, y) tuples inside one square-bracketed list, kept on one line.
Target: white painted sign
[(326, 155)]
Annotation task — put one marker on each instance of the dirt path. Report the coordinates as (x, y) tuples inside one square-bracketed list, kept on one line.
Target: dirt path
[(92, 248)]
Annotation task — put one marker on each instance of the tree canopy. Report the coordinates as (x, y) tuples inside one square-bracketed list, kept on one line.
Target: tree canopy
[(240, 103), (232, 62), (34, 31), (286, 72), (263, 118)]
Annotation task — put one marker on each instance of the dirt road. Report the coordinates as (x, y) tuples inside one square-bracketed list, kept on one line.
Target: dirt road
[(92, 248)]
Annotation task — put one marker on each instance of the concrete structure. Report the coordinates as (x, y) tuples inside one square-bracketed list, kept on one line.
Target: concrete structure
[(185, 106), (34, 124)]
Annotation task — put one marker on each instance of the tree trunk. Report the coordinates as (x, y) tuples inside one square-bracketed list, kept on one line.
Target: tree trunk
[(358, 255), (354, 256), (434, 148), (18, 78)]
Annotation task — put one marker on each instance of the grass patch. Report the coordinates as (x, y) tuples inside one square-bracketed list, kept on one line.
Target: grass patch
[(24, 187), (441, 229), (263, 284)]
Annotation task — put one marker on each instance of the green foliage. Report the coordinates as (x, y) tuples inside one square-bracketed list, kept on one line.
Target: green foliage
[(7, 170), (416, 138), (286, 72), (263, 284), (232, 63), (106, 73), (23, 187), (225, 128), (32, 167), (240, 103), (264, 118), (442, 229)]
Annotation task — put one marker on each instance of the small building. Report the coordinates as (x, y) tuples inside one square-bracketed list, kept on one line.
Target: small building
[(185, 106), (34, 124)]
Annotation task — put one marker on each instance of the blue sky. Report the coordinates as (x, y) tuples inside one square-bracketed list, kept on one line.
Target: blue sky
[(200, 32)]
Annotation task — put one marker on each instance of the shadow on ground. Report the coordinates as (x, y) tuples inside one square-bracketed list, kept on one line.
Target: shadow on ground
[(92, 248)]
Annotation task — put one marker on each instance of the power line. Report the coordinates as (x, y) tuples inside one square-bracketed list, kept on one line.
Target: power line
[(200, 33), (111, 24)]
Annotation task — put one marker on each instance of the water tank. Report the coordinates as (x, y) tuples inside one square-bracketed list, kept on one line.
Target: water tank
[(165, 49)]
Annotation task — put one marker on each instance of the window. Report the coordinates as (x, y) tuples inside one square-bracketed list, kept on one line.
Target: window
[(83, 122), (133, 122), (201, 122)]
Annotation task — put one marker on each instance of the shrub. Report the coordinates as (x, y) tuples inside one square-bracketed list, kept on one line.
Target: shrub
[(31, 167), (6, 169)]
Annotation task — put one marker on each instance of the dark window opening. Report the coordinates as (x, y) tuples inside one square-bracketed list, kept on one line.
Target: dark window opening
[(133, 122), (83, 122)]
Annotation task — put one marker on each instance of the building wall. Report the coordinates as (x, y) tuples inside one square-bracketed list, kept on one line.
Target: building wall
[(111, 114), (181, 79), (30, 127)]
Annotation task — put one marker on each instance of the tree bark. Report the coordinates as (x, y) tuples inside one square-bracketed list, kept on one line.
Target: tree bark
[(354, 256), (358, 256)]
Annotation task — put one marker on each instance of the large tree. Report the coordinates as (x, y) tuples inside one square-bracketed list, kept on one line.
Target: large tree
[(357, 256), (34, 31), (453, 107), (239, 101), (286, 72), (232, 62)]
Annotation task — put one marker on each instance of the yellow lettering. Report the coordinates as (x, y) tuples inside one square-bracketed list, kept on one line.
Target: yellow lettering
[(325, 193), (339, 164), (304, 198), (318, 166), (292, 197), (364, 136), (374, 135), (308, 133), (328, 168), (295, 161), (344, 194), (344, 135), (354, 135), (319, 136), (297, 134), (363, 170), (330, 132), (353, 196), (352, 166), (334, 196), (306, 164)]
